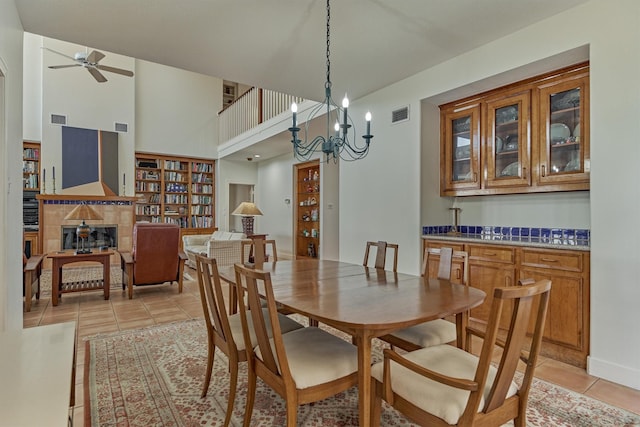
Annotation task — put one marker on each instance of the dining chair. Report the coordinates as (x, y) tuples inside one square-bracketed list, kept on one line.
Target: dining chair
[(302, 366), (250, 252), (381, 254), (439, 331), (444, 385), (224, 331)]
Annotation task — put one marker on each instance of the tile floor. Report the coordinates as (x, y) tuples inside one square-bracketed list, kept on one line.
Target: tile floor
[(153, 305)]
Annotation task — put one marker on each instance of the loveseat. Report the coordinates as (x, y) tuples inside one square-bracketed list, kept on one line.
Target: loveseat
[(200, 243)]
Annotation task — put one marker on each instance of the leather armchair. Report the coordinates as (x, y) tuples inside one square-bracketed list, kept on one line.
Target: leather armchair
[(155, 258)]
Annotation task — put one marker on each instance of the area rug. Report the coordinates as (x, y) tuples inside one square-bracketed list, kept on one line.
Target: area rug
[(153, 377)]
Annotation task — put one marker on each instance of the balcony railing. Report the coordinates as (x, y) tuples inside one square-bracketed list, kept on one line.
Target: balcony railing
[(254, 107)]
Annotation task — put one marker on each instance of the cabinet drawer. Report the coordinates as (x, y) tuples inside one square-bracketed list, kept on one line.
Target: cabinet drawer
[(443, 244), (491, 253), (554, 260)]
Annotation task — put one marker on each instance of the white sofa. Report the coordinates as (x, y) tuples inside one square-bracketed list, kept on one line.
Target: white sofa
[(202, 243)]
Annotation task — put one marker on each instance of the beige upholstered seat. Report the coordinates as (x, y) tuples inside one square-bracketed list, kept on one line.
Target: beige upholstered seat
[(226, 331), (444, 385), (303, 366), (381, 254), (438, 331)]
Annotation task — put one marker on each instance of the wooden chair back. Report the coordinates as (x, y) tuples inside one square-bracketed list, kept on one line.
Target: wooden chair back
[(251, 251), (213, 305), (249, 283), (381, 254), (447, 261)]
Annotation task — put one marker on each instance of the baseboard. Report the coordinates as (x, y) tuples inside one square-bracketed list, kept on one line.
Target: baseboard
[(619, 374)]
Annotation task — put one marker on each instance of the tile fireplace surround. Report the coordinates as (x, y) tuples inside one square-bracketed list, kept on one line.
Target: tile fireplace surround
[(113, 209)]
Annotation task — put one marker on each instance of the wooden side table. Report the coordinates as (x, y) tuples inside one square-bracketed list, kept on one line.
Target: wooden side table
[(67, 257)]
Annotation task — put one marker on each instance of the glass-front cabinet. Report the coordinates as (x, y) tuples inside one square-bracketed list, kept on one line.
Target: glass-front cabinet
[(507, 140), (461, 137), (526, 137), (564, 133)]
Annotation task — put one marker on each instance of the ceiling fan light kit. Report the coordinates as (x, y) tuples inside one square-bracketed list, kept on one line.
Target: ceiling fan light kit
[(91, 62)]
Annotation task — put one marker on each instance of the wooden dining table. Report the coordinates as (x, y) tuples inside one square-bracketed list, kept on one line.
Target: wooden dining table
[(365, 303)]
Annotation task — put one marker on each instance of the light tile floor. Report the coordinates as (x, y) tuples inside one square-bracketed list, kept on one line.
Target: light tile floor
[(154, 305)]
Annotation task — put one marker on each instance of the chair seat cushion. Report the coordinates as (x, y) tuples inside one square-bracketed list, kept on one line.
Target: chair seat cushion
[(286, 325), (428, 334), (443, 401), (316, 356)]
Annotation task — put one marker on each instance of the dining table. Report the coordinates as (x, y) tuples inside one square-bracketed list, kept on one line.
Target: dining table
[(363, 302)]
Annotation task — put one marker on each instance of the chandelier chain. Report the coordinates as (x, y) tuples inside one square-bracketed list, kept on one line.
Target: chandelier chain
[(328, 82)]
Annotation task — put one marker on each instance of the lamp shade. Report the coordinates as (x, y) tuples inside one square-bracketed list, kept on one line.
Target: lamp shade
[(84, 212), (247, 209)]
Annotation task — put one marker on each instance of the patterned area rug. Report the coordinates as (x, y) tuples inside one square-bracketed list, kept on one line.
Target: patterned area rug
[(153, 377)]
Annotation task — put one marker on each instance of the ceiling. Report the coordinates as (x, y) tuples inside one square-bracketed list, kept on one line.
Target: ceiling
[(280, 44)]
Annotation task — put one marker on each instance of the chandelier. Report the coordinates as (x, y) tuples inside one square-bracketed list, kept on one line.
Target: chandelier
[(336, 142)]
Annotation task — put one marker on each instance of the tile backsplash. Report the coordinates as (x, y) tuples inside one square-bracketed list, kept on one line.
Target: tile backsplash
[(566, 236)]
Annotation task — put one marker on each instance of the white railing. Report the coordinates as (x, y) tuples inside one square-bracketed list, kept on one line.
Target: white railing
[(250, 110)]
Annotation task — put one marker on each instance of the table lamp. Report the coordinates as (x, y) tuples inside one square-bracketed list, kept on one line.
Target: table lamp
[(83, 212), (247, 210)]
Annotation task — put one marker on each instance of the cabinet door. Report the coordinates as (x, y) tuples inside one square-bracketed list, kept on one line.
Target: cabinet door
[(460, 148), (565, 315), (507, 144), (564, 132)]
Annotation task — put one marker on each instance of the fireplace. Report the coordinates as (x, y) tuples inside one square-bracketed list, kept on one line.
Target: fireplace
[(101, 236)]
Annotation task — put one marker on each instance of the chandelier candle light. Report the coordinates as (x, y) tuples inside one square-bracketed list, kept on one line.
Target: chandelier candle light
[(333, 146)]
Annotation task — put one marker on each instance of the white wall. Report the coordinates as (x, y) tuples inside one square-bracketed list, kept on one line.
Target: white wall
[(176, 111), (381, 195), (73, 92), (11, 43), (228, 172)]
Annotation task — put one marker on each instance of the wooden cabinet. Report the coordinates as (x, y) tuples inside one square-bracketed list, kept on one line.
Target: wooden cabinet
[(307, 209), (567, 325), (175, 190), (566, 334), (530, 136), (31, 166)]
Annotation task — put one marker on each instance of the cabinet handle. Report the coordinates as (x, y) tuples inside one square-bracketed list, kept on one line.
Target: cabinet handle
[(524, 172), (490, 254), (543, 171), (548, 260), (457, 273), (475, 177)]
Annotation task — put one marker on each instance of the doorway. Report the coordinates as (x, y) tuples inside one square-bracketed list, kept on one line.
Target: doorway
[(238, 193)]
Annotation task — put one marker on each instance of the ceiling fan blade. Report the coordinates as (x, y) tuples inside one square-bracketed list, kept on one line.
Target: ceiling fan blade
[(97, 75), (55, 67), (95, 57), (115, 70), (61, 54)]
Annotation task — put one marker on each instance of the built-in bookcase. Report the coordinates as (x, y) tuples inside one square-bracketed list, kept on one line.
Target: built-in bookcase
[(177, 190)]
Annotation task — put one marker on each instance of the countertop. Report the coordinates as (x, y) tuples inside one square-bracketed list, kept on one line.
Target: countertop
[(497, 239)]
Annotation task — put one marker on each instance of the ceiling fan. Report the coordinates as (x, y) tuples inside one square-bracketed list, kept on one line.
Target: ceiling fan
[(90, 61)]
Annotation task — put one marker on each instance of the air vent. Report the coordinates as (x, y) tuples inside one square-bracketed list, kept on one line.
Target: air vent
[(400, 115), (58, 119), (122, 127)]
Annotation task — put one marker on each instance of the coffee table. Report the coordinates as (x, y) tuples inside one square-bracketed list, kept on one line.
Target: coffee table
[(67, 257)]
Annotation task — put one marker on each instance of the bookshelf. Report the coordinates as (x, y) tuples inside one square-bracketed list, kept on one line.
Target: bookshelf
[(31, 166), (177, 190)]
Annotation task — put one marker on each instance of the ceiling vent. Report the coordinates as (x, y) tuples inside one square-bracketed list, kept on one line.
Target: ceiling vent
[(400, 115), (58, 119), (122, 127)]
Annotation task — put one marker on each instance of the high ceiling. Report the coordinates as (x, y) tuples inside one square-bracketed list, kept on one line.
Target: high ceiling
[(280, 44)]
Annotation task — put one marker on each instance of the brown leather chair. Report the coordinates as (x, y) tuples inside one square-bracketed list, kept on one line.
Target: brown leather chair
[(155, 258)]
